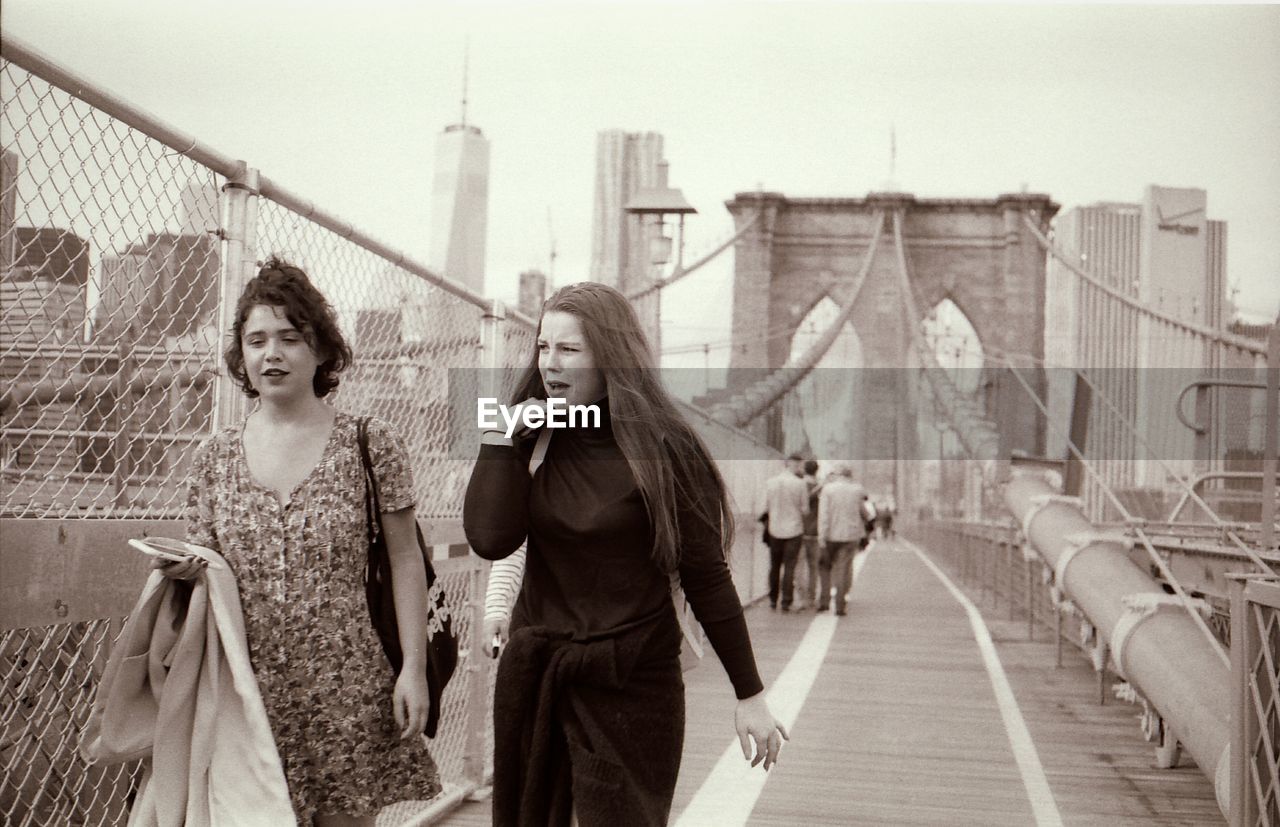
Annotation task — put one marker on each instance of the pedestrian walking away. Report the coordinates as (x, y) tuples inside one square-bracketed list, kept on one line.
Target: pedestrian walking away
[(810, 551), (589, 703), (842, 530), (786, 504)]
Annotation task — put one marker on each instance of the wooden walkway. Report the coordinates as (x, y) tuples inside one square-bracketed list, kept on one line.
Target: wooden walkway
[(901, 725)]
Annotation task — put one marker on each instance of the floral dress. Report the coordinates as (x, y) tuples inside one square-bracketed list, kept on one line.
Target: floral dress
[(300, 569)]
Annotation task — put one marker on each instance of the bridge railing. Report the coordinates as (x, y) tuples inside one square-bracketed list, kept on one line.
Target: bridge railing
[(991, 561), (1255, 769)]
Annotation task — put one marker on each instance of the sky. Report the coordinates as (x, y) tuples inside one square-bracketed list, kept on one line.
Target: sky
[(341, 103)]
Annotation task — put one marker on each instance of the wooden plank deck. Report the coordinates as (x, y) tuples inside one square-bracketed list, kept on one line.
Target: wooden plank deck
[(901, 725)]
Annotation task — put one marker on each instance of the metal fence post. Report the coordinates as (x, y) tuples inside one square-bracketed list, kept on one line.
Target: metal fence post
[(239, 252), (1239, 794), (478, 665), (477, 684), (1009, 575), (1057, 635), (121, 418), (1271, 445), (1031, 599), (491, 348)]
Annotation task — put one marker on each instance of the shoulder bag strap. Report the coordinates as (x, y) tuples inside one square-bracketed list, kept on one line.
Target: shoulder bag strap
[(373, 503)]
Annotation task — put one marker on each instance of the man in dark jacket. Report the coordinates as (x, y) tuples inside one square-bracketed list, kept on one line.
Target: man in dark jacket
[(810, 552)]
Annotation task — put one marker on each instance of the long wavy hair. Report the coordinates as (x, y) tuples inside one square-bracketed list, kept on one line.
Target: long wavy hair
[(668, 459)]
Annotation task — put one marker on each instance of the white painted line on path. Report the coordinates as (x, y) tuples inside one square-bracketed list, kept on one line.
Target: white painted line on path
[(1024, 749), (730, 791)]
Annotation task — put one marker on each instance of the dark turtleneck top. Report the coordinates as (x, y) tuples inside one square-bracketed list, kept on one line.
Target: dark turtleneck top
[(590, 570)]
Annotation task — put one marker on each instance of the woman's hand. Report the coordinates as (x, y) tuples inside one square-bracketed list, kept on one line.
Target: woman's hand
[(491, 630), (517, 414), (753, 720), (188, 569), (410, 701)]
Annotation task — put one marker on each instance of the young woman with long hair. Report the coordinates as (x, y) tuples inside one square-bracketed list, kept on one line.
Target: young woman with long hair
[(589, 706)]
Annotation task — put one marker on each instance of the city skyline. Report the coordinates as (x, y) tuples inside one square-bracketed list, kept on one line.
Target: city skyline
[(981, 103)]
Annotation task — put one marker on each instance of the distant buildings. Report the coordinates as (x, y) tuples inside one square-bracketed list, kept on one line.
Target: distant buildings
[(533, 292), (8, 206), (1165, 253), (625, 162), (102, 413), (460, 205)]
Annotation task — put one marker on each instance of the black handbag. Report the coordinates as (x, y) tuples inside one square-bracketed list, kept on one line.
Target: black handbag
[(442, 643)]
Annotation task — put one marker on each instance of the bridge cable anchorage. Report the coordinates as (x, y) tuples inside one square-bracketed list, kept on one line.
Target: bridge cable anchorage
[(1137, 608), (684, 271), (1185, 599), (978, 436), (1203, 331), (1188, 490), (745, 406)]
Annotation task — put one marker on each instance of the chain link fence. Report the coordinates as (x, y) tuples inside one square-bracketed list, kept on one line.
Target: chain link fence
[(108, 287), (49, 676), (123, 244), (114, 272)]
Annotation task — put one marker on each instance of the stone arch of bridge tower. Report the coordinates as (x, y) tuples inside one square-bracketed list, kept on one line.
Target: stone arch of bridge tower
[(977, 252), (985, 327), (830, 396)]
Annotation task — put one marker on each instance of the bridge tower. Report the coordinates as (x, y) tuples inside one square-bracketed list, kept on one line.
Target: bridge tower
[(976, 252)]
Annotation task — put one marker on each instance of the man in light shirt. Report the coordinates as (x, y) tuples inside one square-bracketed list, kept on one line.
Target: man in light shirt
[(786, 503), (841, 529)]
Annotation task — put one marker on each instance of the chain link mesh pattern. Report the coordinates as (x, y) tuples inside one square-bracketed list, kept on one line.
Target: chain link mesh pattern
[(1261, 711), (110, 278), (49, 676), (108, 290)]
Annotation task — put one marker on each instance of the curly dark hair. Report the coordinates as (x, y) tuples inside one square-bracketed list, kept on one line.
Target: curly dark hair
[(281, 284)]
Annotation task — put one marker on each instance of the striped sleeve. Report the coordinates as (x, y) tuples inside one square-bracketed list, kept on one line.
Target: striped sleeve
[(505, 577)]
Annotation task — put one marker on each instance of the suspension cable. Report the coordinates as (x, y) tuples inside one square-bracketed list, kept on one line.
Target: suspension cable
[(1238, 342), (1135, 524), (1146, 445), (773, 387), (933, 371)]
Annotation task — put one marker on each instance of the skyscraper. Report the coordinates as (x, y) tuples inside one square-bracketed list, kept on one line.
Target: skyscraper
[(199, 213), (1166, 254), (460, 204), (53, 254), (625, 162), (533, 292), (8, 206), (163, 287)]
